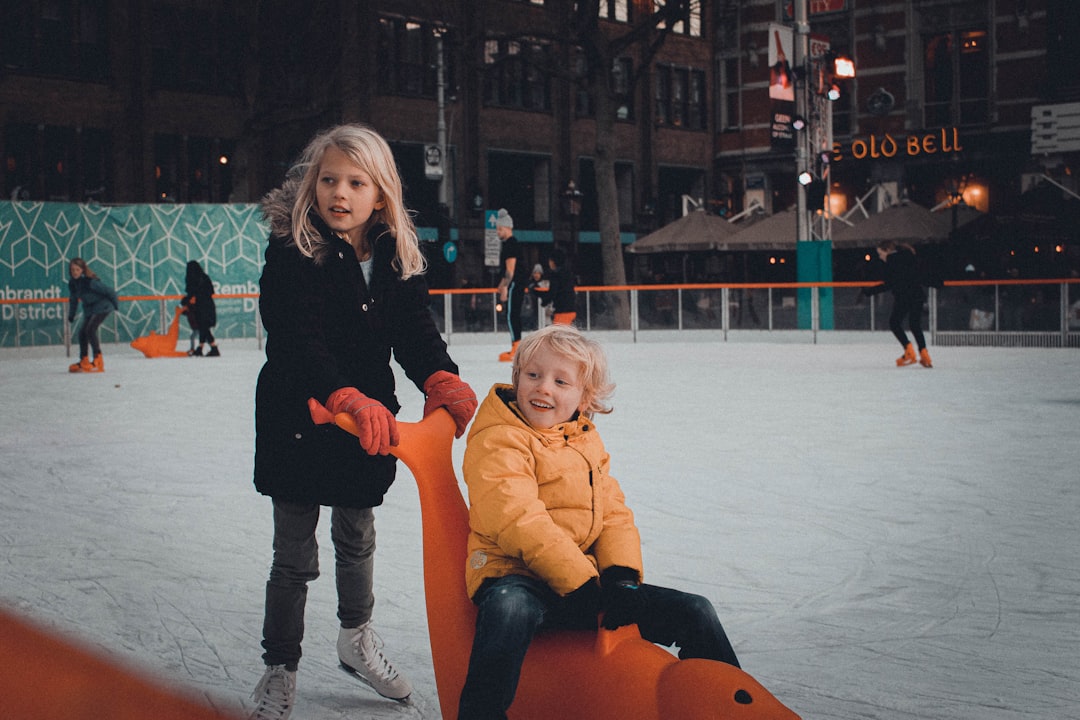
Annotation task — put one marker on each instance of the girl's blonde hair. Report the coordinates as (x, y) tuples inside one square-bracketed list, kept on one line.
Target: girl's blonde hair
[(572, 344), (86, 271), (367, 149)]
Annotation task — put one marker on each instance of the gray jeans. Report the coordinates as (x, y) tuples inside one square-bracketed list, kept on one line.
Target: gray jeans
[(296, 563)]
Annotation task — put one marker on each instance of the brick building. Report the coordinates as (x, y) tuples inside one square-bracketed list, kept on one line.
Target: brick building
[(209, 101)]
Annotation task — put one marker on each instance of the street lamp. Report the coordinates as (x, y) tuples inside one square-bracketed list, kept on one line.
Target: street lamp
[(571, 201)]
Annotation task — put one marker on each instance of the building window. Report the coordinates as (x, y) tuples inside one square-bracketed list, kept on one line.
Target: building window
[(408, 58), (729, 95), (621, 72), (515, 75), (617, 10), (956, 78), (64, 39), (680, 98), (690, 23), (57, 163), (195, 47), (582, 100), (191, 169)]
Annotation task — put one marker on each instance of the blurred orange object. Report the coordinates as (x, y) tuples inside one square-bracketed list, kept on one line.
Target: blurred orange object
[(46, 678)]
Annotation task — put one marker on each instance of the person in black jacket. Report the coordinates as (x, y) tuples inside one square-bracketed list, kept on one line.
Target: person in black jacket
[(342, 289), (902, 278), (199, 305), (560, 293), (514, 280)]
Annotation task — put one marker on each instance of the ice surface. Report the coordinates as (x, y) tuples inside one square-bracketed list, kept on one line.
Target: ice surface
[(880, 542)]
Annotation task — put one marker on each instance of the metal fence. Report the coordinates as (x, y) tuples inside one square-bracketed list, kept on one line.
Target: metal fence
[(1036, 313)]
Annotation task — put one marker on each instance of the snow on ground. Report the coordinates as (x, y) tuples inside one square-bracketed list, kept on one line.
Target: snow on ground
[(880, 542)]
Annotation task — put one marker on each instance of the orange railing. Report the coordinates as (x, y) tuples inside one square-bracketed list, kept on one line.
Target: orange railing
[(1044, 312)]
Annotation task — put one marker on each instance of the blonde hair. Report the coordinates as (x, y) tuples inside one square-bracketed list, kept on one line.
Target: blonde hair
[(367, 149), (572, 344)]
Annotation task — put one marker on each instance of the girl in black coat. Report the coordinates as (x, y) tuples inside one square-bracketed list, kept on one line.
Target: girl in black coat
[(902, 278), (199, 305), (342, 289)]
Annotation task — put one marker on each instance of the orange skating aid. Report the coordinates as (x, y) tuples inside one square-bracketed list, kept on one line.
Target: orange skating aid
[(602, 674), (154, 345)]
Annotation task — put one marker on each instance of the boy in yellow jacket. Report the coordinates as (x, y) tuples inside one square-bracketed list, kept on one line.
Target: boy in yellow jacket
[(552, 542)]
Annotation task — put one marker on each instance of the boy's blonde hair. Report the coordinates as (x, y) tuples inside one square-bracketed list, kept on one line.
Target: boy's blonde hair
[(571, 343), (369, 151)]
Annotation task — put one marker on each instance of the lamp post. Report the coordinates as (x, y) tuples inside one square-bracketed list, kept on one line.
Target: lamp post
[(571, 198)]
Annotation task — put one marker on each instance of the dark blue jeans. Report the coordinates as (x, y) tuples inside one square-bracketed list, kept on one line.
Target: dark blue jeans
[(513, 608)]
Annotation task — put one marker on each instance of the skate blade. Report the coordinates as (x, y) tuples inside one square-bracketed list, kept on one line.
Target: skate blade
[(367, 683)]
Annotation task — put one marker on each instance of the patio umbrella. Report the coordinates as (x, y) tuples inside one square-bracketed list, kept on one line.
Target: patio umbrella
[(905, 223), (695, 231), (775, 232)]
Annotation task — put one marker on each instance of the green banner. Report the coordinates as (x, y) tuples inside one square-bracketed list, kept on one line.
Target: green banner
[(140, 250)]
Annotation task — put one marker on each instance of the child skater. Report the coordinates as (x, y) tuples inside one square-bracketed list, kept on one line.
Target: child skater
[(199, 305), (560, 294), (552, 542), (342, 289), (98, 300), (902, 278)]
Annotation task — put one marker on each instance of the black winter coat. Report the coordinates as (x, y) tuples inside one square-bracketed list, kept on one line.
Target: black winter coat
[(560, 291), (327, 329), (901, 277), (200, 288)]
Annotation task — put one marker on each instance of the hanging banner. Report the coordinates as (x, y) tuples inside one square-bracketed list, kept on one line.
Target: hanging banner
[(781, 87)]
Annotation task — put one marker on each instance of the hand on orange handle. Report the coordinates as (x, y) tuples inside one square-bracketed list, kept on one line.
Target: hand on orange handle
[(376, 426), (445, 389)]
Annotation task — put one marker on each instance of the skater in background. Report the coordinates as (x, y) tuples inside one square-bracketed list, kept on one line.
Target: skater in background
[(199, 305), (342, 290), (552, 543), (98, 300), (560, 294), (193, 324), (902, 279), (514, 280)]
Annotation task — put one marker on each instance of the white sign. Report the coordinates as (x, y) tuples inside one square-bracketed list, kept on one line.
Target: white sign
[(1055, 128), (433, 162), (492, 243)]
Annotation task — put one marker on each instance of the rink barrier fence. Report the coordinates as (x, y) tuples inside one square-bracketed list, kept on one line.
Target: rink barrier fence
[(1001, 313)]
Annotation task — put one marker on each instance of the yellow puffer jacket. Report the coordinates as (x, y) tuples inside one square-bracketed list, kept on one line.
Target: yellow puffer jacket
[(541, 502)]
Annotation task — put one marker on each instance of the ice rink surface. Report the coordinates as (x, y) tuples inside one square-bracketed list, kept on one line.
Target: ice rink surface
[(880, 542)]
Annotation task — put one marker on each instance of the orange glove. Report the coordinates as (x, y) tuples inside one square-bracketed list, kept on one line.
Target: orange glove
[(445, 389), (376, 426)]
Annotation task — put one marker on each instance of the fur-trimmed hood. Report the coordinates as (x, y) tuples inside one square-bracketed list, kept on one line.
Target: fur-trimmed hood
[(277, 208)]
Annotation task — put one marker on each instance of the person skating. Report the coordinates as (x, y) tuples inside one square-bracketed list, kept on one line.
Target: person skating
[(342, 291), (98, 300), (199, 304), (514, 280), (902, 279)]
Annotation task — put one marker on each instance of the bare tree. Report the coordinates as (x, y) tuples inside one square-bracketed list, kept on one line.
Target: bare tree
[(602, 48)]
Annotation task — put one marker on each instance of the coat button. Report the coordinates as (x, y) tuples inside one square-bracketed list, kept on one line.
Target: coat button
[(341, 255), (298, 436), (364, 307)]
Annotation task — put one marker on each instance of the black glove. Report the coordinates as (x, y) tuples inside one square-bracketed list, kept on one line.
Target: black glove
[(583, 605), (623, 601)]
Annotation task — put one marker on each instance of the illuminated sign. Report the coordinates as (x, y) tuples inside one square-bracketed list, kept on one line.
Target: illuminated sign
[(938, 142)]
